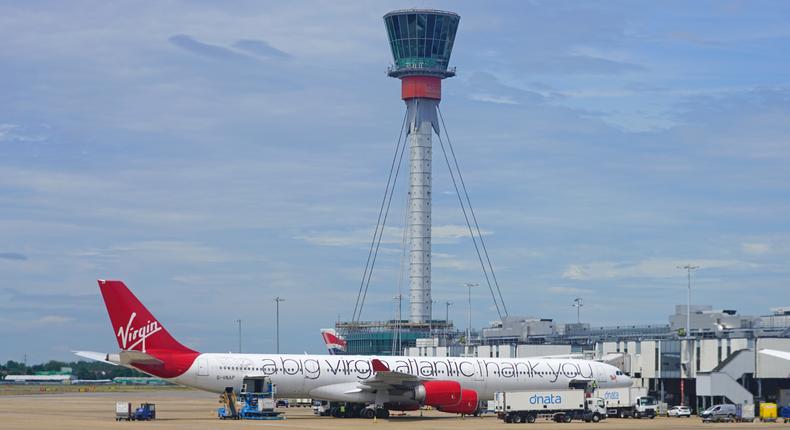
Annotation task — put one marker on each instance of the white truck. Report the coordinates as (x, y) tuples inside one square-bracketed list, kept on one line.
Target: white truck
[(628, 402), (557, 405)]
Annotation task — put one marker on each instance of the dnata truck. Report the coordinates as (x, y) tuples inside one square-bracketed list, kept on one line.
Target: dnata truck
[(557, 405), (628, 402)]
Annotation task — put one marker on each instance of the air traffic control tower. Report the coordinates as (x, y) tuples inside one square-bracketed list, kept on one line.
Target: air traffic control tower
[(421, 41)]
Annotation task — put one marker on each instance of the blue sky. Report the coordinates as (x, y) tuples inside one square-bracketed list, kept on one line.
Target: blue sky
[(215, 155)]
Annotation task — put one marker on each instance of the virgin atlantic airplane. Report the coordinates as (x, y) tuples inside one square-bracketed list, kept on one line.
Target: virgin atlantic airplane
[(450, 384)]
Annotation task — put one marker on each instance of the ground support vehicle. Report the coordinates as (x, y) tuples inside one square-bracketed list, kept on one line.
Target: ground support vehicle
[(256, 401), (719, 413), (784, 413), (326, 408), (321, 408), (146, 412), (299, 403), (123, 411), (229, 408), (768, 412), (628, 402), (557, 405), (744, 413)]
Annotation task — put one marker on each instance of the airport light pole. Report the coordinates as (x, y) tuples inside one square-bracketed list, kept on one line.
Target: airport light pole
[(277, 301), (396, 343), (577, 303), (239, 322), (447, 305), (688, 268), (430, 319), (469, 286)]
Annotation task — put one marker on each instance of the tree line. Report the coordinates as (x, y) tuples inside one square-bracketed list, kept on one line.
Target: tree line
[(80, 369)]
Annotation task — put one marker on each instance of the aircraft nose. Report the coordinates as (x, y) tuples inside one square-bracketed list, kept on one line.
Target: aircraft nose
[(624, 380)]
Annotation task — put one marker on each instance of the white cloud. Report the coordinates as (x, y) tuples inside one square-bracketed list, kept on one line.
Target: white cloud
[(756, 248), (651, 268), (490, 98), (16, 133), (441, 234), (183, 251), (453, 232), (450, 261), (52, 319), (569, 290)]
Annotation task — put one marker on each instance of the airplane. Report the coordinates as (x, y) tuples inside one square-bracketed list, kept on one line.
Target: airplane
[(335, 343), (776, 353), (380, 384)]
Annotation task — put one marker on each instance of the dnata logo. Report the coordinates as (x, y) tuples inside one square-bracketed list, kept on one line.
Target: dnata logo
[(611, 395), (130, 337), (548, 399)]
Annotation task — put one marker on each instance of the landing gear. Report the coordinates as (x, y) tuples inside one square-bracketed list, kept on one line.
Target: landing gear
[(357, 410)]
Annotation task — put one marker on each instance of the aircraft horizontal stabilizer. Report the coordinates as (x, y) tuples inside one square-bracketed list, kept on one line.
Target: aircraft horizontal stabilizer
[(97, 356), (138, 357)]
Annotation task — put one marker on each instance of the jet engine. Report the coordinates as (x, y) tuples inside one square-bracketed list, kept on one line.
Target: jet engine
[(467, 405), (439, 393)]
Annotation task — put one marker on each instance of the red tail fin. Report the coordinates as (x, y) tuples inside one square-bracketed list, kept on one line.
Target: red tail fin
[(134, 326), (136, 329)]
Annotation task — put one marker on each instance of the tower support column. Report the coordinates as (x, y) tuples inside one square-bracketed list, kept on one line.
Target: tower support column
[(419, 219)]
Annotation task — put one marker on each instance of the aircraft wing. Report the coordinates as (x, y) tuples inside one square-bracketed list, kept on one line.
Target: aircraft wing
[(384, 378), (774, 353), (565, 356)]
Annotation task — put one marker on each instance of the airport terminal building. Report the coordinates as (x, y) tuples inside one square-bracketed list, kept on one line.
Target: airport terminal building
[(719, 362)]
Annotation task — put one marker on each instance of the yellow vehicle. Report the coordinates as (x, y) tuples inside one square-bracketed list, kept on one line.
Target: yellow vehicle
[(768, 412)]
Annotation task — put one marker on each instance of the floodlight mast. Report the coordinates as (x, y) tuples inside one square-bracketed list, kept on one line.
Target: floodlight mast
[(421, 41), (578, 303), (688, 268)]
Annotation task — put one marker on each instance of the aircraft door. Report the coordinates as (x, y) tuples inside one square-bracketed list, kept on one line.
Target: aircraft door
[(202, 367), (600, 375)]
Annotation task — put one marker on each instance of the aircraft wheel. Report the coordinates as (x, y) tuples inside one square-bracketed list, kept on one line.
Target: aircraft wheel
[(367, 413)]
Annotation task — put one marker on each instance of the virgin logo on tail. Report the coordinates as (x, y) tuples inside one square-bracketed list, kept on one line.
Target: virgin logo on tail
[(136, 336)]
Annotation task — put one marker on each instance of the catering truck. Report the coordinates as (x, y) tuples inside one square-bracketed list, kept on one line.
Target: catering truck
[(628, 402), (557, 405)]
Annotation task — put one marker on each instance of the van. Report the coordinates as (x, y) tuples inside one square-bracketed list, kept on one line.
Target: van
[(722, 412)]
